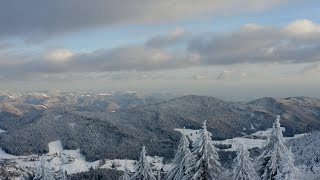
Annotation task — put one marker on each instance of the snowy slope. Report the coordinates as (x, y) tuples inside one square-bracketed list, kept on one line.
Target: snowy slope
[(72, 161), (248, 141)]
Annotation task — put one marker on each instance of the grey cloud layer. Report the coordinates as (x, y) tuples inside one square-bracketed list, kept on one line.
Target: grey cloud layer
[(176, 36), (257, 44), (34, 17), (250, 44), (129, 58)]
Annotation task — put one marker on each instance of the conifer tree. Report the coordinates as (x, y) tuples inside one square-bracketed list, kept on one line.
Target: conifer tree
[(287, 167), (244, 169), (204, 161), (126, 174), (274, 161), (143, 169), (159, 175), (180, 161), (61, 175), (44, 172)]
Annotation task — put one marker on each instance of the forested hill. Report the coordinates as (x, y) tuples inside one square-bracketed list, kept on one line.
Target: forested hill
[(108, 134)]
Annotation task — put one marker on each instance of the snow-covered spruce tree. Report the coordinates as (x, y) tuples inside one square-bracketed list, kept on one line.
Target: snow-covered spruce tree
[(60, 174), (126, 174), (44, 172), (204, 162), (244, 169), (287, 167), (143, 169), (159, 175), (276, 158), (180, 161)]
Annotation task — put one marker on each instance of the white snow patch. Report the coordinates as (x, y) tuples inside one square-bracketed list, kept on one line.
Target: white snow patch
[(105, 94), (55, 147), (191, 133), (45, 95), (12, 97), (2, 131), (4, 155), (296, 136), (235, 142), (73, 161), (249, 141)]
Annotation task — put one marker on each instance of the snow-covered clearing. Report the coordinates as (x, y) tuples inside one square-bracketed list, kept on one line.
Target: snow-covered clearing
[(248, 141), (73, 161)]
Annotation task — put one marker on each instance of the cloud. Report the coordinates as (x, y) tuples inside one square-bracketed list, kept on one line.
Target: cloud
[(59, 55), (311, 69), (200, 77), (138, 58), (226, 74), (303, 27), (38, 18), (259, 44), (169, 39), (251, 44), (59, 61)]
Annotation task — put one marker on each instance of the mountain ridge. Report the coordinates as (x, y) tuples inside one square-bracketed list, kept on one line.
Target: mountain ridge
[(152, 124)]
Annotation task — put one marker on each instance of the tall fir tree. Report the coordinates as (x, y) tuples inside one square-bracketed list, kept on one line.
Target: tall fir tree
[(204, 161), (44, 172), (180, 161), (274, 161), (244, 169), (287, 167), (126, 174), (143, 169)]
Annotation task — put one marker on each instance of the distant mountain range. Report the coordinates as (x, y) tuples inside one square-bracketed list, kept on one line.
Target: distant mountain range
[(116, 125), (20, 103)]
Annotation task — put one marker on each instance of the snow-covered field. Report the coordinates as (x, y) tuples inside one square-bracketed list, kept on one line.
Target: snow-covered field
[(248, 141), (72, 161)]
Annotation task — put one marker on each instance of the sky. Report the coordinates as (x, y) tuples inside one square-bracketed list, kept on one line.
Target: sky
[(230, 48)]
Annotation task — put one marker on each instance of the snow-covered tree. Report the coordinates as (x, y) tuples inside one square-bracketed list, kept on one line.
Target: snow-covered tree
[(61, 175), (204, 162), (287, 167), (143, 169), (274, 161), (126, 174), (44, 172), (159, 175), (244, 169), (180, 161)]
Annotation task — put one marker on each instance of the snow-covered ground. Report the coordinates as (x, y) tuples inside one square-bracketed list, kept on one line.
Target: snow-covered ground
[(248, 141), (2, 131), (73, 161)]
